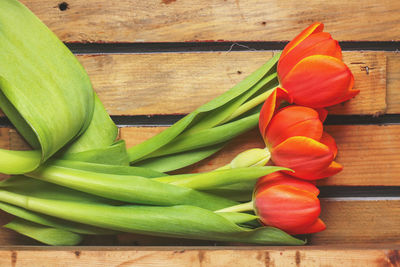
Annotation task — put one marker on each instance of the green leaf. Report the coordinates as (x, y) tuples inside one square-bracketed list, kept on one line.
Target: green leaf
[(53, 222), (221, 114), (114, 154), (47, 96), (176, 221), (238, 217), (44, 234), (208, 137), (232, 194), (179, 160), (101, 133), (36, 188), (19, 162), (132, 189)]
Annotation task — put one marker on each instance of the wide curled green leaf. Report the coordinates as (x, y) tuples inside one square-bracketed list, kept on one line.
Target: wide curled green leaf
[(47, 96)]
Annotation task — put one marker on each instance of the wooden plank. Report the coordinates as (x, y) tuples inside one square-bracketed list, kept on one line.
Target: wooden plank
[(393, 83), (176, 83), (359, 221), (201, 257), (134, 84), (4, 138), (245, 20), (369, 153)]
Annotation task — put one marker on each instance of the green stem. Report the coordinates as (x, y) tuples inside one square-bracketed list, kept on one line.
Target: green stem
[(238, 208), (250, 105)]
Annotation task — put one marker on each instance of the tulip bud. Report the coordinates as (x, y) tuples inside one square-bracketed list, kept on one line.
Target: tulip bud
[(288, 208), (255, 157), (296, 140)]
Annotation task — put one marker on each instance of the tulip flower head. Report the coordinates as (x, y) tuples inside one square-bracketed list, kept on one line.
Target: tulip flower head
[(295, 137), (310, 69), (287, 203)]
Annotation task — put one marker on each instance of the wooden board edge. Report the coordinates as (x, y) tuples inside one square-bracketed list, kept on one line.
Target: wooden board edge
[(182, 256)]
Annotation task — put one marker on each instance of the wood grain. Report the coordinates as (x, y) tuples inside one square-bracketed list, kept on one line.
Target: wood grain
[(359, 221), (201, 257), (190, 20), (176, 83), (370, 153), (393, 83)]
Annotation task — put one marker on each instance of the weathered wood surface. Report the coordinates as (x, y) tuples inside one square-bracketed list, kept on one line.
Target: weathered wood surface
[(202, 257), (369, 153), (191, 20), (176, 83), (349, 221), (393, 83)]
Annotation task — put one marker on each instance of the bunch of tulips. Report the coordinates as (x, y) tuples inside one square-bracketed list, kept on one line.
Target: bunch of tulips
[(312, 77), (79, 180)]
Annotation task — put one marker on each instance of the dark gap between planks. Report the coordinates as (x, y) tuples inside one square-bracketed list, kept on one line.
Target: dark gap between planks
[(168, 120), (163, 47), (359, 191)]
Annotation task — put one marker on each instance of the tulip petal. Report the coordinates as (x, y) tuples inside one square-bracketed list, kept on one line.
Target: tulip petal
[(287, 207), (281, 178), (313, 28), (323, 113), (318, 81), (305, 156), (316, 44), (332, 169), (269, 108), (316, 227), (350, 94), (294, 121), (329, 141)]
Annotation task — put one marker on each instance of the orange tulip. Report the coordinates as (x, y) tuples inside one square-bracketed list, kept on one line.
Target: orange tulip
[(295, 137), (288, 204), (311, 71)]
